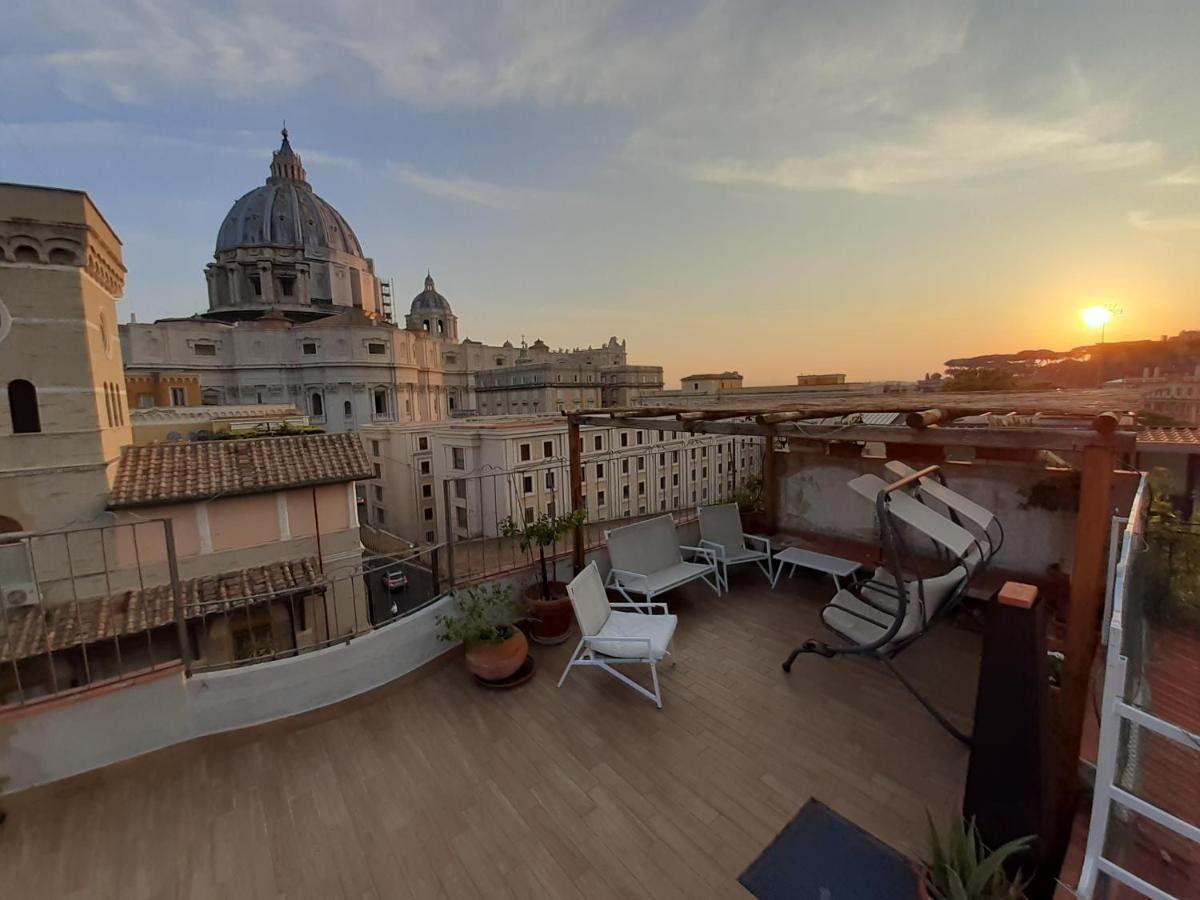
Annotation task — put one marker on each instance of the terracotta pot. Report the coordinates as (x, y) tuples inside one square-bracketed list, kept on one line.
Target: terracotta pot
[(550, 621), (495, 662)]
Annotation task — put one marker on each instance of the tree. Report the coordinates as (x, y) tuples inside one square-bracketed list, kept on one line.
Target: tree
[(980, 380), (542, 532)]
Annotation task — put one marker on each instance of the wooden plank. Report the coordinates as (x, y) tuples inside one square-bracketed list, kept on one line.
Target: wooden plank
[(575, 461), (1083, 626)]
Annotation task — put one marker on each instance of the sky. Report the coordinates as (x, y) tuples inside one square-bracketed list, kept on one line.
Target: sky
[(772, 187)]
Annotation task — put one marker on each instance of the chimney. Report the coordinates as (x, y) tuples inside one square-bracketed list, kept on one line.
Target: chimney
[(1146, 372), (1157, 371), (133, 318)]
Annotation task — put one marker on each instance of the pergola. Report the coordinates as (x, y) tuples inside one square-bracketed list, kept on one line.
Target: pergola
[(1098, 424)]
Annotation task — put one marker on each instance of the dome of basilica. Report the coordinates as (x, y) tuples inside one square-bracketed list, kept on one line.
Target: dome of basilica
[(285, 212)]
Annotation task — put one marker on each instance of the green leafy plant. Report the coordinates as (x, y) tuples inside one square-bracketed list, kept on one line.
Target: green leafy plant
[(960, 867), (749, 497), (541, 533), (481, 615), (980, 379), (1167, 573)]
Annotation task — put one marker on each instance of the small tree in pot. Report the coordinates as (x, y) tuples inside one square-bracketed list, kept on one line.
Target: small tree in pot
[(484, 622), (547, 599)]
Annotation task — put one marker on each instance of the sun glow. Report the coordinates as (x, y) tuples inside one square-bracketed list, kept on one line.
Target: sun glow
[(1097, 316)]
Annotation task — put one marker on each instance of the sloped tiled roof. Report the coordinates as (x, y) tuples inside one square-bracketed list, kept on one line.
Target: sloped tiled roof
[(198, 470), (1173, 434), (34, 629)]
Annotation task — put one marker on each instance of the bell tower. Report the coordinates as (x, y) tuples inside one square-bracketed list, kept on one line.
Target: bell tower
[(63, 412)]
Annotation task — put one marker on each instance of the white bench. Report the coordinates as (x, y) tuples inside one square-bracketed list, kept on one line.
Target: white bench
[(818, 562), (647, 559)]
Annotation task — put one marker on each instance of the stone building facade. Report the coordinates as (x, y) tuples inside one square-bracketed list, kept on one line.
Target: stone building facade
[(64, 419)]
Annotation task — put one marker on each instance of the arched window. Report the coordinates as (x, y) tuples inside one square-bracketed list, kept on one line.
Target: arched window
[(381, 402), (347, 409), (426, 324), (318, 405), (23, 407), (441, 326)]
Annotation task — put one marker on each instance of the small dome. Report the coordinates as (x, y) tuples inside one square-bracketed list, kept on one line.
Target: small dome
[(285, 212), (429, 300)]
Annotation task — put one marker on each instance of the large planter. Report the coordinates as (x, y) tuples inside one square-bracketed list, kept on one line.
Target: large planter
[(550, 621), (495, 662)]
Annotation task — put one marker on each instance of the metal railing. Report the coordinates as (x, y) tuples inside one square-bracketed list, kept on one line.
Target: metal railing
[(618, 485), (1146, 783), (101, 605), (86, 607)]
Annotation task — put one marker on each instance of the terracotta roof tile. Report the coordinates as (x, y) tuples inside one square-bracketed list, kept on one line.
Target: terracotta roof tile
[(32, 629), (1182, 435), (197, 470)]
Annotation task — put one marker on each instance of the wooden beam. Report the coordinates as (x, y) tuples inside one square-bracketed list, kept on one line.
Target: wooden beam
[(1033, 437), (771, 486), (575, 461), (1088, 572)]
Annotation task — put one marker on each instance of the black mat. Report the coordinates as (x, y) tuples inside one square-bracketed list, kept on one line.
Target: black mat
[(823, 856)]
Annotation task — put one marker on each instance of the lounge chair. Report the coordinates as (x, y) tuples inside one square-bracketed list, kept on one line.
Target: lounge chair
[(613, 637), (721, 530), (648, 559)]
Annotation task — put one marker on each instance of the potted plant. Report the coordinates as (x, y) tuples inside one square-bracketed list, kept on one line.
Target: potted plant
[(960, 867), (750, 501), (549, 605), (484, 622)]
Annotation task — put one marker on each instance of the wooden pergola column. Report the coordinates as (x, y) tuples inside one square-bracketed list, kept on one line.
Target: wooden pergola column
[(1088, 574), (575, 462)]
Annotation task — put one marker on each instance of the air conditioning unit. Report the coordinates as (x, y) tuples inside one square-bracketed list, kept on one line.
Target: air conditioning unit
[(15, 596)]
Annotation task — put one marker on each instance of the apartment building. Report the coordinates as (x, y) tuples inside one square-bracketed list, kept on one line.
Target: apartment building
[(486, 470)]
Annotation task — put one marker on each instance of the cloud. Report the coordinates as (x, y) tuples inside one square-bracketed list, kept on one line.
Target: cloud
[(1144, 221), (1186, 177), (470, 190), (946, 148)]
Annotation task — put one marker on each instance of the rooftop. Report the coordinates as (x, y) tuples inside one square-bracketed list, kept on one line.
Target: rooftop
[(198, 470), (434, 788), (166, 414)]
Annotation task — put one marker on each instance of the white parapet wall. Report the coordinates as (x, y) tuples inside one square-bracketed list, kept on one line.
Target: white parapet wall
[(66, 737)]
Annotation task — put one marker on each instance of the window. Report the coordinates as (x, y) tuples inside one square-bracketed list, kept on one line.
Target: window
[(598, 442), (376, 349), (287, 286), (204, 349), (527, 484), (662, 459), (427, 491), (427, 514), (347, 409), (704, 472), (624, 439), (674, 456), (600, 498), (379, 493), (380, 516), (374, 448), (525, 452), (425, 467), (178, 396), (675, 479), (550, 509), (381, 401), (641, 464), (549, 481), (256, 284), (146, 401), (599, 470), (317, 405), (640, 436), (460, 489), (547, 449), (624, 467), (458, 458), (641, 489), (662, 483), (625, 492), (429, 536), (309, 348), (528, 515), (422, 443), (377, 472)]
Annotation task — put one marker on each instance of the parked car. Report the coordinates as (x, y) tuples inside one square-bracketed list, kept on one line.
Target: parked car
[(395, 580)]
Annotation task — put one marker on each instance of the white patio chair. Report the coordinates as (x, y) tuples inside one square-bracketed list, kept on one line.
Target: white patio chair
[(614, 637), (721, 530), (648, 559)]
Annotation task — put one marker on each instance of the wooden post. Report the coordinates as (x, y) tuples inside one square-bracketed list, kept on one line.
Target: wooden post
[(770, 484), (1083, 628), (575, 462)]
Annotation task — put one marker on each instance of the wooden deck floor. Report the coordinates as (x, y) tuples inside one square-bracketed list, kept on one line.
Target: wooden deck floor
[(434, 788)]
